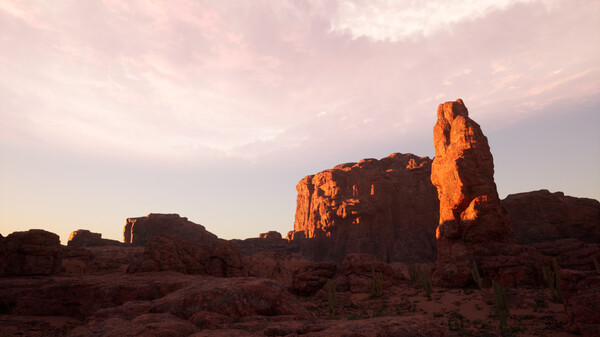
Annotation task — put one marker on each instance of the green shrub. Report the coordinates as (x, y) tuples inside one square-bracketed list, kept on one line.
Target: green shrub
[(552, 278), (376, 283), (501, 306), (476, 277), (331, 298)]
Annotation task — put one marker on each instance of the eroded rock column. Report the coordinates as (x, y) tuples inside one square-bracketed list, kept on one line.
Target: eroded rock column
[(473, 224)]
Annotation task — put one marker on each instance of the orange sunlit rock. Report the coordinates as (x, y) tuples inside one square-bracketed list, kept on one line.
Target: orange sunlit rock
[(473, 225), (387, 208)]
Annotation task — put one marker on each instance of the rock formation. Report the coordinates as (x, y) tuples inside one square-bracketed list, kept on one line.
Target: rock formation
[(270, 235), (85, 238), (167, 253), (34, 252), (473, 225), (387, 208), (581, 295), (540, 216), (138, 231)]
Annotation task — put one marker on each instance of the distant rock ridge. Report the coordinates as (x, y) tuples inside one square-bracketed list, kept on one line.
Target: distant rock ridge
[(540, 216), (86, 238), (138, 231), (387, 208)]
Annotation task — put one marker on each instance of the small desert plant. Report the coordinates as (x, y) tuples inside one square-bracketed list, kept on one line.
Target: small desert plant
[(415, 274), (501, 306), (438, 314), (476, 277), (552, 278), (427, 286), (596, 264), (376, 283), (331, 298)]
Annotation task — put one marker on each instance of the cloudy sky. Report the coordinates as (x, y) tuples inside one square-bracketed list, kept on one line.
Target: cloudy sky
[(216, 109)]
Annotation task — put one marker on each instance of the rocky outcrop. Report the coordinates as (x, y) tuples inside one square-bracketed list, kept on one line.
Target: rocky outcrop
[(270, 235), (357, 273), (540, 216), (138, 231), (104, 259), (313, 277), (34, 252), (473, 225), (581, 295), (570, 253), (86, 238), (167, 253), (387, 208)]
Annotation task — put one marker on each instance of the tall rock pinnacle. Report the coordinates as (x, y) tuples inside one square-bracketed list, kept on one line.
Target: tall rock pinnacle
[(472, 218)]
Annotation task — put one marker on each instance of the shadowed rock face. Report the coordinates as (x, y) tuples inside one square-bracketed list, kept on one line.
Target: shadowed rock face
[(473, 225), (387, 208), (34, 252), (138, 231), (540, 216)]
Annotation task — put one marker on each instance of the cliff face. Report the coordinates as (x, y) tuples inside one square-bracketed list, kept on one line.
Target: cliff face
[(385, 207)]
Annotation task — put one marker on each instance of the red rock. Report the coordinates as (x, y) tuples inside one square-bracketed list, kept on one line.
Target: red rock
[(473, 225), (581, 295), (34, 252), (276, 266), (105, 259), (231, 297), (138, 231), (85, 238), (357, 273), (271, 235), (387, 208), (167, 253), (570, 253), (313, 277), (540, 216)]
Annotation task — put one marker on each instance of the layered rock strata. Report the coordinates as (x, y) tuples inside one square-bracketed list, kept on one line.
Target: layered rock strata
[(387, 208)]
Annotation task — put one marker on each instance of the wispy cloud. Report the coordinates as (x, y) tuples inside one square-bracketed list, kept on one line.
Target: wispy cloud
[(200, 79)]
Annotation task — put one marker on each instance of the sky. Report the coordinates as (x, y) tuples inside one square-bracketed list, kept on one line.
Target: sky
[(216, 109)]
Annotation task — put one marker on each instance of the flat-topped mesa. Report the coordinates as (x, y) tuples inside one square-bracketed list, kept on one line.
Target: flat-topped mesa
[(387, 208), (138, 231), (473, 224)]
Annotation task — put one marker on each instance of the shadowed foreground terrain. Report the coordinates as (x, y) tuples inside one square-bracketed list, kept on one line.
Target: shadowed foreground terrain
[(401, 246)]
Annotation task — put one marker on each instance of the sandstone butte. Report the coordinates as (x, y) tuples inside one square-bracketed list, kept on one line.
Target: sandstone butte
[(387, 208)]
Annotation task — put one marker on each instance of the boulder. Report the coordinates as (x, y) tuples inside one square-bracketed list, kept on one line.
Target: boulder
[(581, 295), (167, 253), (138, 231), (540, 216), (86, 238), (473, 225), (34, 252), (387, 208)]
